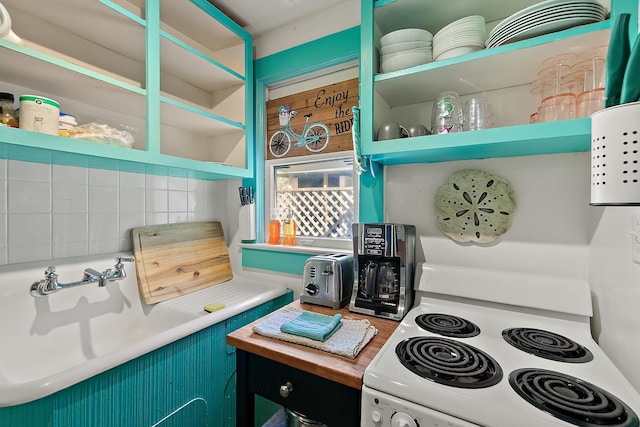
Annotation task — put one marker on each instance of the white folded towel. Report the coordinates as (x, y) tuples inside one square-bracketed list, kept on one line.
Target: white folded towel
[(347, 341)]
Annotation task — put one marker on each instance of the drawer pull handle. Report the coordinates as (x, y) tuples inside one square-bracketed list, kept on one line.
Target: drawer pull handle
[(286, 389)]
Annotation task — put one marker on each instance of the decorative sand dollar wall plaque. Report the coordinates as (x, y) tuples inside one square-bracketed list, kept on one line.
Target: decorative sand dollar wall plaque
[(475, 206)]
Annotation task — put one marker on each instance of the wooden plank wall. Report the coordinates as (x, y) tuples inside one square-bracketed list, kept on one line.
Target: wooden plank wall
[(329, 104)]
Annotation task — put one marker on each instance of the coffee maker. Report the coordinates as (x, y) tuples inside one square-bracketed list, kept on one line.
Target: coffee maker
[(384, 259)]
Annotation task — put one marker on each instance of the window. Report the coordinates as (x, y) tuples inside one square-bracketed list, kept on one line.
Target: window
[(320, 194)]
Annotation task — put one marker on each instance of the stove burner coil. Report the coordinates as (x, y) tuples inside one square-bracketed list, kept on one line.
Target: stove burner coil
[(449, 362), (571, 399), (447, 325), (547, 344)]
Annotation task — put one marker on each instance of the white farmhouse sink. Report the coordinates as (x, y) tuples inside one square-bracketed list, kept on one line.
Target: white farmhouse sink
[(54, 341)]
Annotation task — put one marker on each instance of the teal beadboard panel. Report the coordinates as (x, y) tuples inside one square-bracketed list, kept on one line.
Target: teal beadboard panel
[(190, 382), (283, 262)]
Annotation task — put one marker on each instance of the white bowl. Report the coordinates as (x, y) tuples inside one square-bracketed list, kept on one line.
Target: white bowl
[(421, 50), (406, 35), (457, 51), (399, 47), (404, 60)]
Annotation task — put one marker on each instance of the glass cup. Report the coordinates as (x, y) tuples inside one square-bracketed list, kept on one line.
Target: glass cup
[(540, 88), (447, 115), (478, 114), (590, 101)]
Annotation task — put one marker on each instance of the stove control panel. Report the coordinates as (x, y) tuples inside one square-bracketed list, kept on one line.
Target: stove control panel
[(380, 409)]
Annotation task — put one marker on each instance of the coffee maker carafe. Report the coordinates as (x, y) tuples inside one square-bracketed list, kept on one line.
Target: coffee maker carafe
[(383, 269)]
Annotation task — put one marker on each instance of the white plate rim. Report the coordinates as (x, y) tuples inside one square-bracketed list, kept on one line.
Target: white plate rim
[(560, 10), (549, 27), (544, 5)]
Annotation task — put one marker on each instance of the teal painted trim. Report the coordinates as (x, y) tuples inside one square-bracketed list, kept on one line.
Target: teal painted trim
[(224, 20), (200, 112), (201, 55), (316, 55), (250, 145), (626, 6), (70, 66), (283, 262), (154, 137), (259, 148), (371, 190), (123, 11), (566, 136), (371, 195), (166, 165), (380, 3)]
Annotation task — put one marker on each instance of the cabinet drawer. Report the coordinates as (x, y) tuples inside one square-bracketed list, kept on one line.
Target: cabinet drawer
[(315, 397)]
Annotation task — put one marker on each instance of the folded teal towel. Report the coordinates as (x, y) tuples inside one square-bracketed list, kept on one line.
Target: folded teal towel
[(311, 325)]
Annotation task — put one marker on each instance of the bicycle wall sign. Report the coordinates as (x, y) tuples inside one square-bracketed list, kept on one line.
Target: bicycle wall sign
[(313, 121)]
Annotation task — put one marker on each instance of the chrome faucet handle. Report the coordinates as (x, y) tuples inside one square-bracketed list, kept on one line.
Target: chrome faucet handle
[(120, 260), (50, 272), (120, 273)]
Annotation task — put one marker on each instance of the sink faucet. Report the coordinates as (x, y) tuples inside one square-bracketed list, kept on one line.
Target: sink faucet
[(50, 284)]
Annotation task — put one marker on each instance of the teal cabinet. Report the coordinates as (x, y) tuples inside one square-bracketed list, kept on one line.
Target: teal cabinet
[(507, 66), (177, 74), (489, 72), (191, 382)]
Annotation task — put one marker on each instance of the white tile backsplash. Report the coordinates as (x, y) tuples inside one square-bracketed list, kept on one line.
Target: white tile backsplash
[(178, 201), (103, 177), (27, 171), (103, 199), (157, 182), (156, 200), (74, 174), (178, 183), (67, 197), (54, 211), (3, 168), (29, 196), (133, 180), (70, 227), (28, 229), (132, 199)]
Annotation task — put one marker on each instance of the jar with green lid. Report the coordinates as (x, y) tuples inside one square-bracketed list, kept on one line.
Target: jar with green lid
[(6, 102)]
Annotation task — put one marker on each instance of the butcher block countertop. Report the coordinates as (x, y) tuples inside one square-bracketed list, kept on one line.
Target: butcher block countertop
[(348, 372)]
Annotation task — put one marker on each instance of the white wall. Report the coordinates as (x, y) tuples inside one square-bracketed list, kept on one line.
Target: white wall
[(615, 285), (321, 24), (554, 231)]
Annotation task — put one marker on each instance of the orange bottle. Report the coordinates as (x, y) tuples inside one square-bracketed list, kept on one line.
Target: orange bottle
[(289, 230), (274, 228)]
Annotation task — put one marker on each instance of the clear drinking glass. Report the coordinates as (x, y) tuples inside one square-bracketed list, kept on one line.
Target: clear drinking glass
[(478, 114), (447, 115)]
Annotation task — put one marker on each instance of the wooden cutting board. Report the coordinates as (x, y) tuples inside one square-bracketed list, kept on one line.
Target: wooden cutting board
[(176, 259)]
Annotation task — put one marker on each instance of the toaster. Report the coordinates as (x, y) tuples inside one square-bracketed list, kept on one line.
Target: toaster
[(327, 280)]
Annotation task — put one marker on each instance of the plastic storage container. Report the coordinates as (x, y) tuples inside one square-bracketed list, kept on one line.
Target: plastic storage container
[(8, 113)]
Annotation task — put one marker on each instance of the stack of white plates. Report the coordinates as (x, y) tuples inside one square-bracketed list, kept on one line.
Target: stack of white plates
[(546, 17), (405, 48), (463, 36)]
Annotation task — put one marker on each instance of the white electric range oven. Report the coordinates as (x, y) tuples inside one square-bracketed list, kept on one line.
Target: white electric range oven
[(496, 349)]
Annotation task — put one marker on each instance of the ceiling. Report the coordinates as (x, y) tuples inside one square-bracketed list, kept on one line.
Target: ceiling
[(262, 16)]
